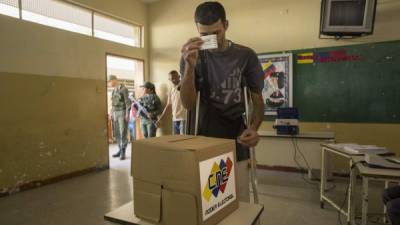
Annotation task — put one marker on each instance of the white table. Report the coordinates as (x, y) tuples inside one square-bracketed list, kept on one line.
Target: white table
[(349, 212), (367, 173), (308, 135), (277, 151), (246, 214)]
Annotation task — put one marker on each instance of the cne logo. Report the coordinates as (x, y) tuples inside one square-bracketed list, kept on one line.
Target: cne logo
[(217, 179)]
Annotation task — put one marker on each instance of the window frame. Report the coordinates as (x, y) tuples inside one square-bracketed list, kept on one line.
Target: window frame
[(17, 14), (140, 35), (134, 26)]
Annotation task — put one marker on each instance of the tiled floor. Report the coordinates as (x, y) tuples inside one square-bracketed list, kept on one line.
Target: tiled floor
[(84, 200)]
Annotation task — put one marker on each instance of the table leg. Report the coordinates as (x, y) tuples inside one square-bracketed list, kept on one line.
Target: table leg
[(364, 217), (323, 177), (350, 203), (384, 206)]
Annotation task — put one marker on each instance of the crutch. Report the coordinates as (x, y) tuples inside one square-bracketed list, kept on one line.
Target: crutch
[(196, 123), (253, 161)]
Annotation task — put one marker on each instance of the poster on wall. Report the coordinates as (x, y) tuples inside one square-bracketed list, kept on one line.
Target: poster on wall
[(278, 81)]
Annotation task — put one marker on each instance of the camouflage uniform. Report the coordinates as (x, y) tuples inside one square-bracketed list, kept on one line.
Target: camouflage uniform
[(152, 104), (120, 108)]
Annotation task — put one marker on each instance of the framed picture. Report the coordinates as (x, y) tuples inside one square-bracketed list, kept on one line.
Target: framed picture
[(278, 81)]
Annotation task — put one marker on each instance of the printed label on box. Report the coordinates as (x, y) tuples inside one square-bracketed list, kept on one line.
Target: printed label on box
[(217, 180)]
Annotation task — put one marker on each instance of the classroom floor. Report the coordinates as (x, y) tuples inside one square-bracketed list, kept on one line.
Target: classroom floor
[(84, 200), (116, 163)]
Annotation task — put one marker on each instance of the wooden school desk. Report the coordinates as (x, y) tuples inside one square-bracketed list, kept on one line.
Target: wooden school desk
[(367, 173), (334, 149)]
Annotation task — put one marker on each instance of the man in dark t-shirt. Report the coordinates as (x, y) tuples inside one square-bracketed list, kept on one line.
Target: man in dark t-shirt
[(220, 75)]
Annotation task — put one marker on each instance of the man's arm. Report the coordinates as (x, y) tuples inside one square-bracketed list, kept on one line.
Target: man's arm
[(190, 53), (166, 108), (254, 78), (258, 111), (250, 136), (188, 88)]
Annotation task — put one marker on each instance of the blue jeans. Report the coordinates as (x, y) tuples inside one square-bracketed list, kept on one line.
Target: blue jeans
[(178, 127), (132, 128), (149, 130)]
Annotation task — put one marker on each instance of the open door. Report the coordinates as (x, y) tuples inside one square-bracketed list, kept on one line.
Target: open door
[(129, 72)]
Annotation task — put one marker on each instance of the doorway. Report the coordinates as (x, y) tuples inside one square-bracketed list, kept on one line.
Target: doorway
[(130, 73)]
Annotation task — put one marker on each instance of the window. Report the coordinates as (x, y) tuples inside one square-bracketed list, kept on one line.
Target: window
[(68, 16), (115, 30), (9, 8), (58, 14), (120, 63)]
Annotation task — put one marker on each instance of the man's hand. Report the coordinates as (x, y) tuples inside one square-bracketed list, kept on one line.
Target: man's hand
[(149, 115), (158, 124), (190, 51), (249, 138)]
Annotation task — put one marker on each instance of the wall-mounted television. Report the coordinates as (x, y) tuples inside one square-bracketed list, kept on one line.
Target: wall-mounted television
[(347, 17)]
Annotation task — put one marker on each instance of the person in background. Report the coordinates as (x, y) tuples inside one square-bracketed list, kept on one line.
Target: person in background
[(120, 114), (219, 74), (150, 107), (133, 114), (174, 103), (391, 198)]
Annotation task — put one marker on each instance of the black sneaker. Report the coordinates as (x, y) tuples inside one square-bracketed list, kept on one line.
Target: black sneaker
[(117, 154)]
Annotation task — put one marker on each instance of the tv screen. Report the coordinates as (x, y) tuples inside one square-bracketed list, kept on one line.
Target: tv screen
[(347, 13), (347, 17)]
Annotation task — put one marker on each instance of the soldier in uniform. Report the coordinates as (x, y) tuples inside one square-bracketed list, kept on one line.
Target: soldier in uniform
[(152, 105), (120, 114)]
